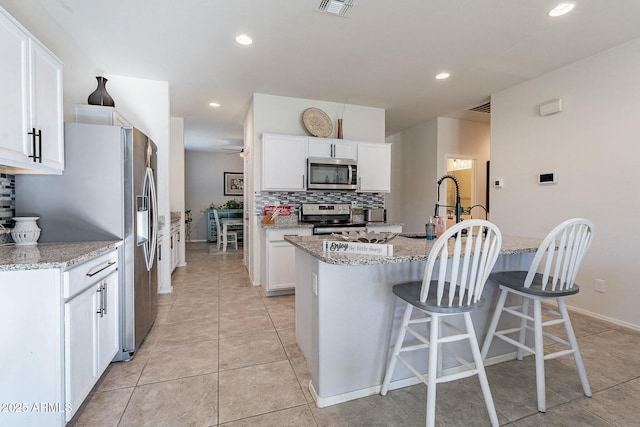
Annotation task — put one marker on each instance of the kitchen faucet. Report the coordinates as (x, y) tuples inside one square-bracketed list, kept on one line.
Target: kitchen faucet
[(486, 213), (457, 206)]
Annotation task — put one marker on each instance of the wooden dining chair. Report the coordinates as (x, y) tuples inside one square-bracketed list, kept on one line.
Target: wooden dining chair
[(551, 276), (231, 237), (457, 269)]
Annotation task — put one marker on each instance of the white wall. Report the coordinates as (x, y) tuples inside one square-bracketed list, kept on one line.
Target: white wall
[(419, 159), (471, 140), (176, 179), (593, 147), (417, 186), (204, 175), (283, 115)]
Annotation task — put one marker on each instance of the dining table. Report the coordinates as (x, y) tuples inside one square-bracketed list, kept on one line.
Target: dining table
[(230, 223)]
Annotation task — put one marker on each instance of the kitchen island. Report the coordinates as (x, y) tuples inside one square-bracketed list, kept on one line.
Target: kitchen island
[(347, 316)]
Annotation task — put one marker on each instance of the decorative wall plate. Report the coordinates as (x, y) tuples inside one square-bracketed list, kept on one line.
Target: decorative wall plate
[(317, 122)]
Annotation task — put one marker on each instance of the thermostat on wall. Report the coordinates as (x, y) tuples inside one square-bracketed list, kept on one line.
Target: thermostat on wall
[(547, 178)]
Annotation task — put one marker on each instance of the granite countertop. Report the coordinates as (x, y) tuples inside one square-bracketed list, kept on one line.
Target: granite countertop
[(175, 216), (51, 255), (285, 222), (405, 249)]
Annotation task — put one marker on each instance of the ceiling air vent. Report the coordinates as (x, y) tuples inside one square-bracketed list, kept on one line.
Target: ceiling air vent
[(482, 108), (334, 7)]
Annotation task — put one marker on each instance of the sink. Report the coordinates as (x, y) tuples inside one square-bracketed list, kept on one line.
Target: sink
[(414, 235)]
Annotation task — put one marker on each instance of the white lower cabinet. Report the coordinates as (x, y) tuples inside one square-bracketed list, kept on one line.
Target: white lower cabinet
[(61, 331), (279, 274), (91, 338)]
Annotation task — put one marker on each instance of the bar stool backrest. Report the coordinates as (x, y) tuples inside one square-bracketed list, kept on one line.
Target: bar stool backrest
[(559, 256), (464, 262)]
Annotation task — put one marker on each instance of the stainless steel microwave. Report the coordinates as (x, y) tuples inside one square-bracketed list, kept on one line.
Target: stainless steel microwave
[(331, 174)]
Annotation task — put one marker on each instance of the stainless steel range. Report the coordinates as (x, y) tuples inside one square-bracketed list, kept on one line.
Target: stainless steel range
[(329, 218)]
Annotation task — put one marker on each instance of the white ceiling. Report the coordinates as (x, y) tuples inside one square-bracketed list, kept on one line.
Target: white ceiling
[(385, 54)]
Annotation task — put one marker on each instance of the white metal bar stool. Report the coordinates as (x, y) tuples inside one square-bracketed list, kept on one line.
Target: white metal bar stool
[(453, 289), (551, 275)]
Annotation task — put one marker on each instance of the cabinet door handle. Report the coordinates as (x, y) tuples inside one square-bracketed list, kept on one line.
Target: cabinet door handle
[(40, 146), (171, 240), (178, 236), (99, 290), (33, 156), (104, 299), (159, 252), (302, 180), (109, 264)]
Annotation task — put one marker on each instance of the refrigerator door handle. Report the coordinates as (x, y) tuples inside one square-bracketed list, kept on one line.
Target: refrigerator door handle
[(154, 218)]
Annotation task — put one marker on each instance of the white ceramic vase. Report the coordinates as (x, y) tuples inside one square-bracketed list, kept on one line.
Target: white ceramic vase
[(26, 231)]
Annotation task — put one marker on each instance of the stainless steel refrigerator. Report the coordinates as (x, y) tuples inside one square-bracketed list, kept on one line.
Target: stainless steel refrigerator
[(107, 192)]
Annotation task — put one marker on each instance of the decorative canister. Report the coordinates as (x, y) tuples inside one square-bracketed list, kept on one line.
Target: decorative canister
[(26, 231), (357, 215), (100, 96)]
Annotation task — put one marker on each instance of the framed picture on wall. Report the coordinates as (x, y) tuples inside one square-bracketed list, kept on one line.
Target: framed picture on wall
[(233, 183)]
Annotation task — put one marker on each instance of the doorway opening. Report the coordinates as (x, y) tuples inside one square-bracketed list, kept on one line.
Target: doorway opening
[(464, 170)]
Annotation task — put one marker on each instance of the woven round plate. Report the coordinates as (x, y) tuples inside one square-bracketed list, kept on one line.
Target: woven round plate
[(317, 122)]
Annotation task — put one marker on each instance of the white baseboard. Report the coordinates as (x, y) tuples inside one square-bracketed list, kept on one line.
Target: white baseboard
[(596, 315), (322, 401)]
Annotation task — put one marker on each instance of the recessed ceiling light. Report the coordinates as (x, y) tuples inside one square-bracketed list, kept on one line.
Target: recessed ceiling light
[(214, 104), (244, 39), (442, 76), (562, 8)]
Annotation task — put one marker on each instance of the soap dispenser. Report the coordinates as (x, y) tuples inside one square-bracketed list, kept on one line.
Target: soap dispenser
[(440, 227), (430, 229)]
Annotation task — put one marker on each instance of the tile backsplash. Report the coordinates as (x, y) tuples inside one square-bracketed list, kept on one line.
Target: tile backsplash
[(296, 198), (7, 199)]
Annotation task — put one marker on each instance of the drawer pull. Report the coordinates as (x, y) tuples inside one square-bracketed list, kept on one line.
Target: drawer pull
[(102, 269)]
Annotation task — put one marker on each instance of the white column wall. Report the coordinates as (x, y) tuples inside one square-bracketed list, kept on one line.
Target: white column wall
[(593, 147), (176, 184), (145, 104)]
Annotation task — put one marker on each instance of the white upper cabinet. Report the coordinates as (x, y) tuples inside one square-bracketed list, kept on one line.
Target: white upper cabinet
[(333, 148), (374, 167), (31, 115), (284, 160)]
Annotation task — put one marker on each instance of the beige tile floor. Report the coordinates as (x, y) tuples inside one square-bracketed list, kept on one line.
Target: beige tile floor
[(222, 354)]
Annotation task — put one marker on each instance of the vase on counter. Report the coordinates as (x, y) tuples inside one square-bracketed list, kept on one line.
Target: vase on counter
[(26, 232), (339, 129), (100, 96)]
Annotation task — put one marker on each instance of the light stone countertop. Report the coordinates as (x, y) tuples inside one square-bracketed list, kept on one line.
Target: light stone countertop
[(285, 223), (405, 249), (51, 255)]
